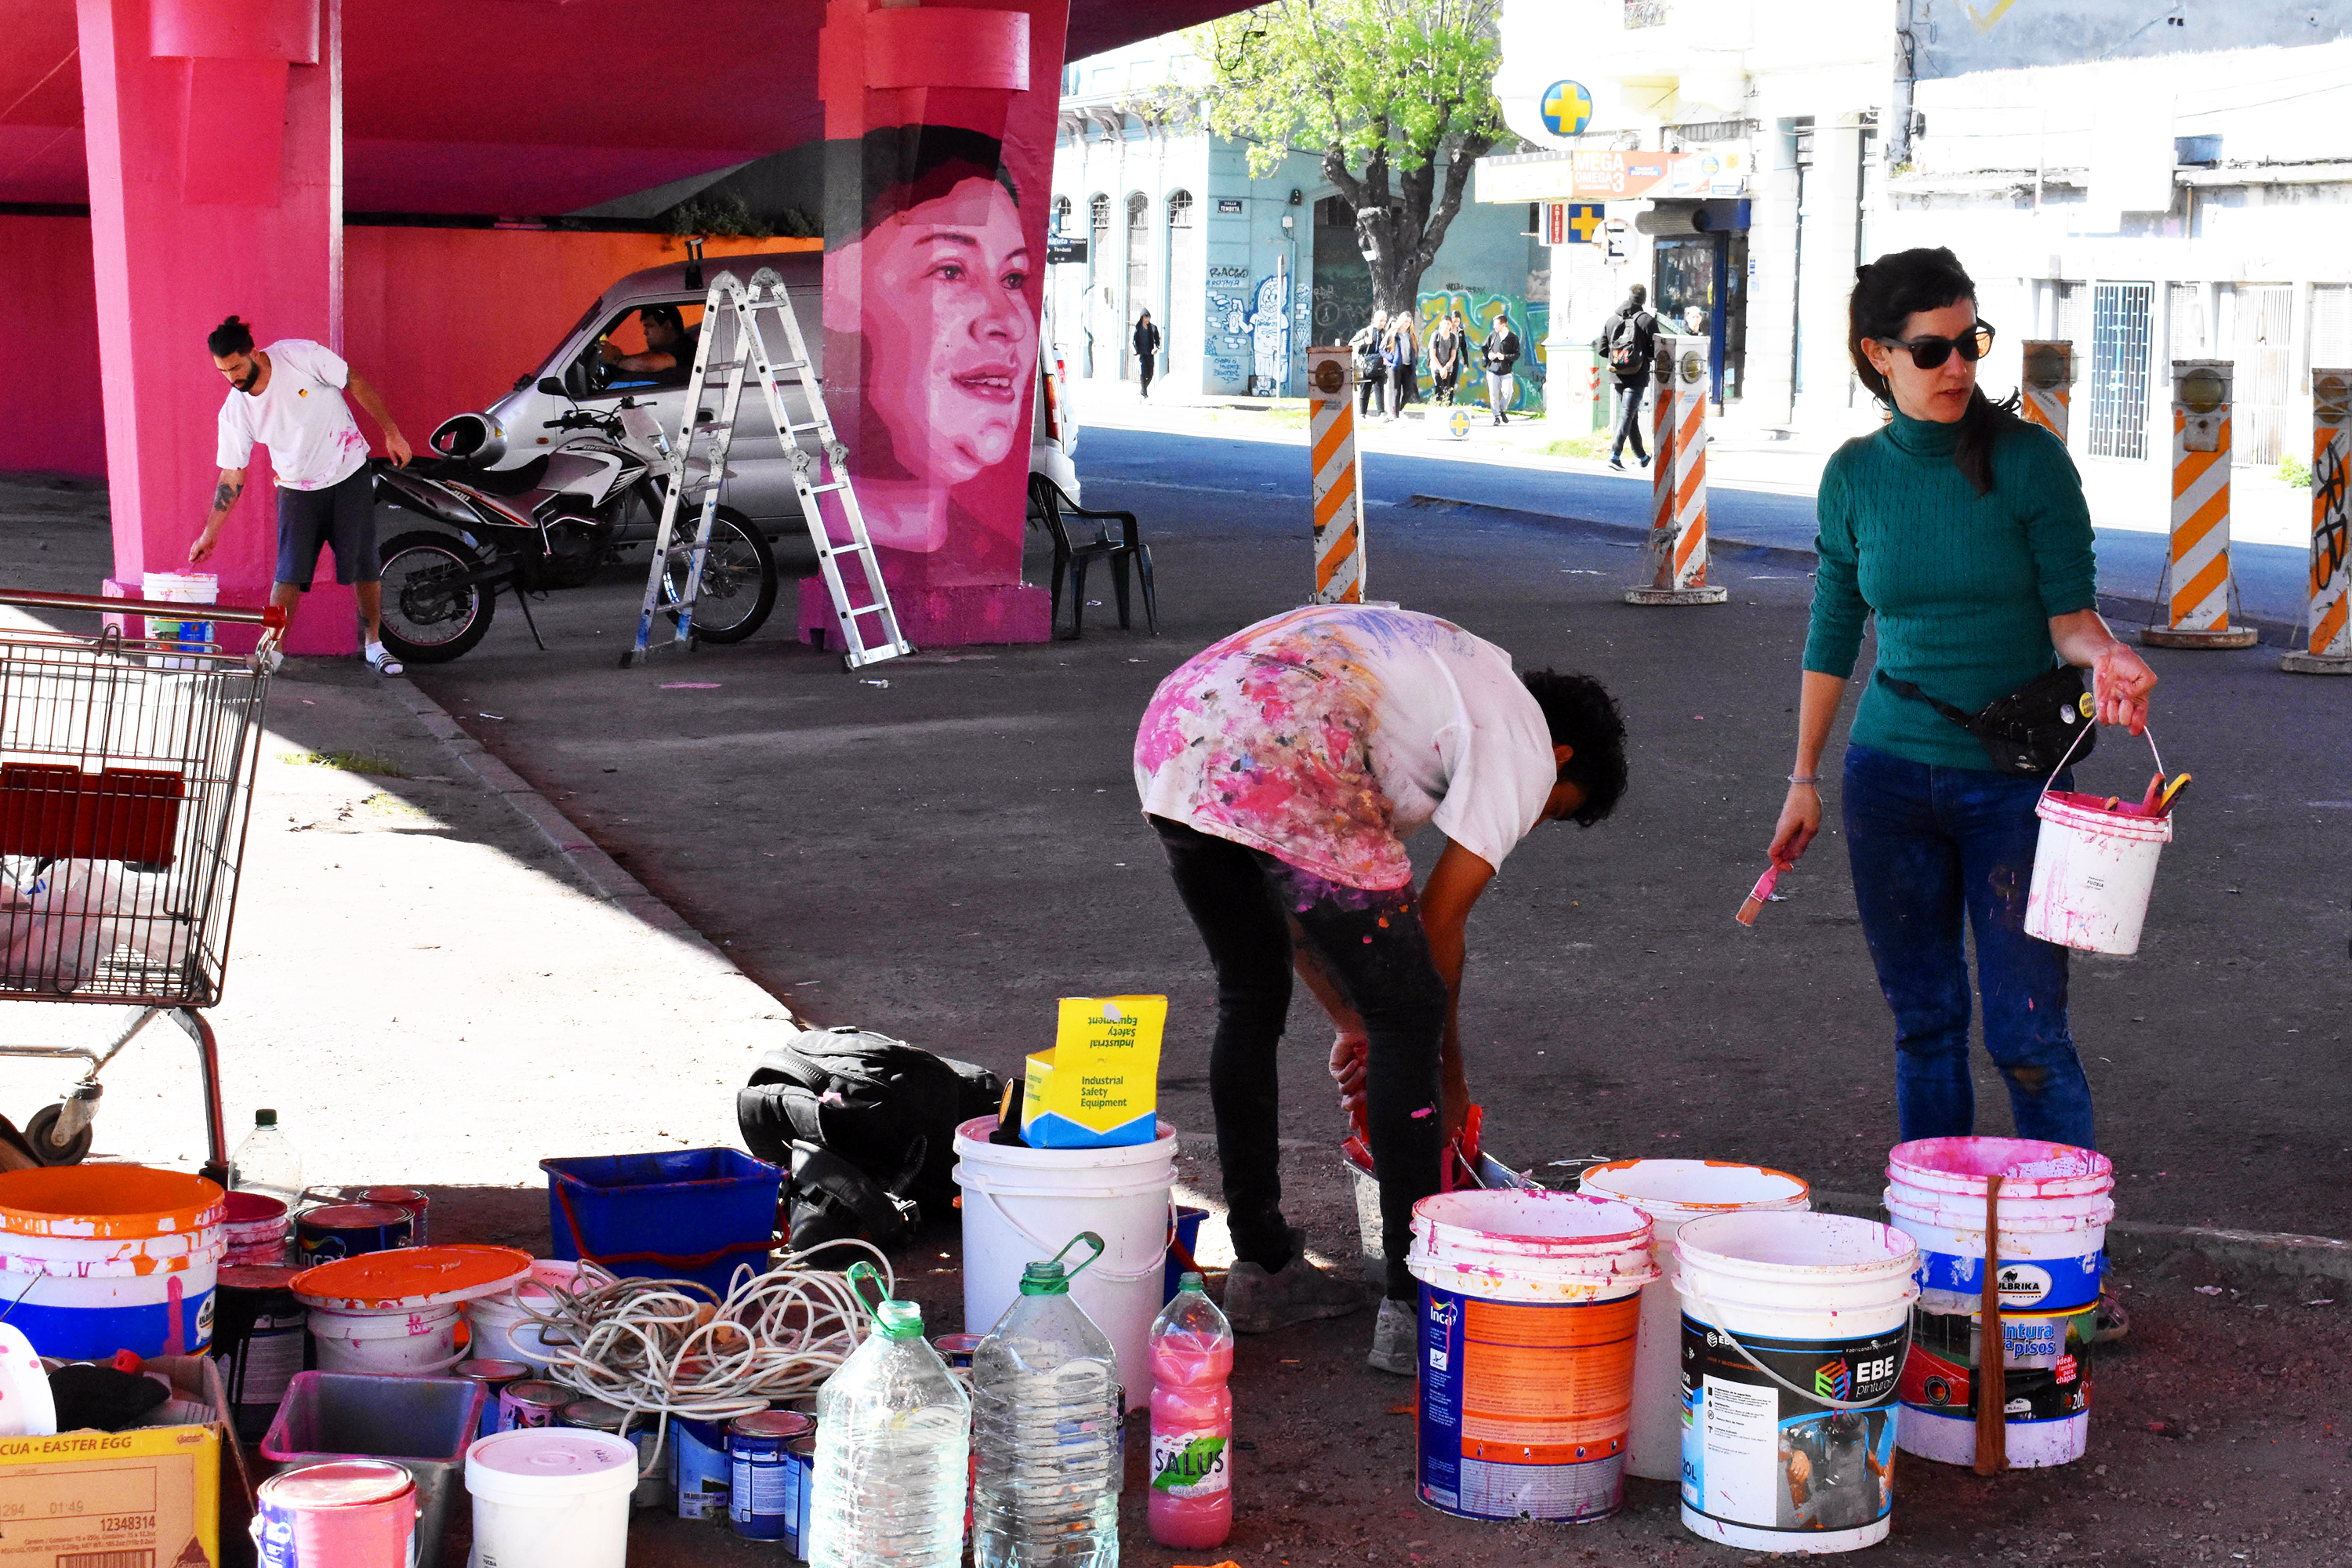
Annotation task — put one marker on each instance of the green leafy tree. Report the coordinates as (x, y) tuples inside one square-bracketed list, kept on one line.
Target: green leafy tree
[(1398, 97)]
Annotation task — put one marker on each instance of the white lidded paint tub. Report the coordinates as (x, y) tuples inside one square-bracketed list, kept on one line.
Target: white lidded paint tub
[(506, 1325), (1794, 1327), (550, 1497), (1673, 1193), (394, 1314), (1529, 1304), (1023, 1204), (2054, 1205)]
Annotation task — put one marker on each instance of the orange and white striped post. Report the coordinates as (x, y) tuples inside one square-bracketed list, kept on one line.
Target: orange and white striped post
[(2050, 385), (2196, 584), (2328, 650), (1339, 482), (1673, 562)]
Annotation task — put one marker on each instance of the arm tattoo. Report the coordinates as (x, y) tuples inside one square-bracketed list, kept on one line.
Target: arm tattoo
[(224, 495)]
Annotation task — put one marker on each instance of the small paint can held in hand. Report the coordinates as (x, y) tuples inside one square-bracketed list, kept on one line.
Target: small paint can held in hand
[(346, 1230), (699, 1465), (496, 1377), (523, 1405), (416, 1205), (344, 1513), (763, 1496)]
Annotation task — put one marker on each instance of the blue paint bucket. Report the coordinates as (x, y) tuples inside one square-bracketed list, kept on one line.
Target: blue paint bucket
[(1187, 1236), (763, 1498), (701, 1467)]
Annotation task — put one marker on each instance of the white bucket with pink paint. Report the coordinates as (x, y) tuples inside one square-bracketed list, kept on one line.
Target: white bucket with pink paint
[(2094, 866)]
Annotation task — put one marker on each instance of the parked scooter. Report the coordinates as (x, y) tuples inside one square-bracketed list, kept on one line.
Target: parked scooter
[(551, 523)]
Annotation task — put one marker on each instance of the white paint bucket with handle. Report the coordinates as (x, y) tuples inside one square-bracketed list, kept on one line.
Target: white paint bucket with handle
[(2093, 867)]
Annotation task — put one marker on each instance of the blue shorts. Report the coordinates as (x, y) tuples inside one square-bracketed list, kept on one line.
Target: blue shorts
[(342, 515)]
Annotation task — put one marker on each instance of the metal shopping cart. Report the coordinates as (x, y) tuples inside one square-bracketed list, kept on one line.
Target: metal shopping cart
[(126, 779)]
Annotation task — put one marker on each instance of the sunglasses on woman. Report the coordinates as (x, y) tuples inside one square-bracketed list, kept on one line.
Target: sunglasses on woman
[(1928, 354)]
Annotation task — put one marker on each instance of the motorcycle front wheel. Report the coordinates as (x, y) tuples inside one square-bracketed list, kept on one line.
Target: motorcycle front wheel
[(739, 581), (432, 614)]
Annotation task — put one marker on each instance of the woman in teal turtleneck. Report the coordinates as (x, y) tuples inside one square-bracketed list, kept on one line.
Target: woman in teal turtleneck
[(1963, 527)]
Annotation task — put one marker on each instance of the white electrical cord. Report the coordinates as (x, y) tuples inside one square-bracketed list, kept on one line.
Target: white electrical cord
[(672, 1347)]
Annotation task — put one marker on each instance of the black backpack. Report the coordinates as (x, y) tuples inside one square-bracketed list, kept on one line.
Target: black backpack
[(1625, 355), (887, 1108)]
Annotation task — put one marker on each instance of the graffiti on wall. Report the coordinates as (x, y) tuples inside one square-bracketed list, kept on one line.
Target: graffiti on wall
[(1479, 310), (1250, 330)]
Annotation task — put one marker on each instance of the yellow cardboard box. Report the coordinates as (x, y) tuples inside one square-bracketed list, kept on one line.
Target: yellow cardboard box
[(1100, 1086), (146, 1497)]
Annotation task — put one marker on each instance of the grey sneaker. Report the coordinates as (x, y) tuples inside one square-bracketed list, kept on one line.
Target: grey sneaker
[(1257, 1302), (1396, 1340)]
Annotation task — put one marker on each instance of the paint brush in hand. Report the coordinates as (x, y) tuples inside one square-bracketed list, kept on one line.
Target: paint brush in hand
[(1764, 886)]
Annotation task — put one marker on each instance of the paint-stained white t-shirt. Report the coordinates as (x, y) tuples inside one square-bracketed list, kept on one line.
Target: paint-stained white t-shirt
[(1329, 736), (300, 417)]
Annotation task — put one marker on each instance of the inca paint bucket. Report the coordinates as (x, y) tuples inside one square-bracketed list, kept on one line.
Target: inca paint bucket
[(396, 1313), (105, 1258), (1794, 1327), (2093, 868), (254, 1229), (551, 1497), (2055, 1203), (1672, 1192), (344, 1513), (1529, 1303), (258, 1340), (345, 1230), (417, 1207)]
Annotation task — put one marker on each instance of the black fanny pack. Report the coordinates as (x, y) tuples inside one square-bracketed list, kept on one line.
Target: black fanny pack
[(2030, 731)]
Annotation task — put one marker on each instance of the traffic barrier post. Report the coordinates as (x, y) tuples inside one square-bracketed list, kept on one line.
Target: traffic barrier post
[(1338, 477), (2049, 385), (2327, 645), (2194, 592), (1673, 562)]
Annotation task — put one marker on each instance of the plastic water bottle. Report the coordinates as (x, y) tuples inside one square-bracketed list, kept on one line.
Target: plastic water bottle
[(1192, 1421), (1047, 1409), (893, 1451), (267, 1162)]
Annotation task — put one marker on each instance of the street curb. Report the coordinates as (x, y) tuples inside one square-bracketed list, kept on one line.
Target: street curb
[(2124, 608), (2140, 1242), (600, 870)]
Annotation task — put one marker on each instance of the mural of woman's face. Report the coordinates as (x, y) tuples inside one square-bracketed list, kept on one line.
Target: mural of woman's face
[(951, 342)]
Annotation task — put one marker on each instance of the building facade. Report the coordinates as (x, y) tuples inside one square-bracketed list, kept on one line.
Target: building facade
[(2151, 185), (1241, 274)]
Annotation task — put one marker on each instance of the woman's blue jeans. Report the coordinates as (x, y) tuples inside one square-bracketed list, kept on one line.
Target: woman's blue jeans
[(1930, 845)]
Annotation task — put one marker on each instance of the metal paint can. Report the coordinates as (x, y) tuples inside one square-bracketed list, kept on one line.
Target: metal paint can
[(595, 1416), (524, 1404), (259, 1339), (416, 1203), (344, 1513), (763, 1496), (956, 1350), (801, 1454), (698, 1467), (495, 1376), (345, 1230)]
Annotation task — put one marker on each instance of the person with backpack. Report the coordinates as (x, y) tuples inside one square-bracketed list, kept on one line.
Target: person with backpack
[(1445, 346), (1626, 344), (1501, 353), (1372, 373), (1401, 352)]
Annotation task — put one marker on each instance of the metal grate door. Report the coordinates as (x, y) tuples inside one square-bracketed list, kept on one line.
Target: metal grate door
[(2331, 325), (2119, 323), (2190, 337), (2263, 337)]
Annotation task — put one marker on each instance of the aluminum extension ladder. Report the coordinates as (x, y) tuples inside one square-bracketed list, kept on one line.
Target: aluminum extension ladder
[(766, 292)]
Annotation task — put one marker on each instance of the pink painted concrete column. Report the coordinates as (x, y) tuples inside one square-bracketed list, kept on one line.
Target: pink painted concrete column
[(216, 187), (939, 124)]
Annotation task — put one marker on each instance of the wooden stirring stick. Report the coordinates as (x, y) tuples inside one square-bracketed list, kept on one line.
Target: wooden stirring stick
[(1992, 1378)]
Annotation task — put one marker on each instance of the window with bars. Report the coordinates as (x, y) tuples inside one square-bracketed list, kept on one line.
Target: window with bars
[(2119, 355), (1061, 216), (2192, 335), (2331, 326), (1179, 210), (2260, 338)]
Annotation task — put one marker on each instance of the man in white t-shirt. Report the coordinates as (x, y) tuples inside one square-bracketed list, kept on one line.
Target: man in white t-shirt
[(289, 398), (1283, 769)]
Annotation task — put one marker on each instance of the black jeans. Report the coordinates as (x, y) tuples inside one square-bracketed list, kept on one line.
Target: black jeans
[(1144, 367), (1629, 420), (1245, 902), (1374, 384), (1402, 384)]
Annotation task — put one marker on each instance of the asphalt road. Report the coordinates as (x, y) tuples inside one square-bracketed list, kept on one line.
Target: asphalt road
[(2273, 581)]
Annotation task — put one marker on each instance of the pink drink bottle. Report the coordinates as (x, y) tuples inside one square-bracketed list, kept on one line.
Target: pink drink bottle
[(1192, 1421)]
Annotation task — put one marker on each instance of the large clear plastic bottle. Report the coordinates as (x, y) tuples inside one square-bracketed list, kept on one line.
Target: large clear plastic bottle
[(1047, 1409), (893, 1452), (1192, 1421), (267, 1162)]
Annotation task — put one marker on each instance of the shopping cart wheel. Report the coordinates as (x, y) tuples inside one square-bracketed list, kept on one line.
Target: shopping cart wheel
[(42, 1129)]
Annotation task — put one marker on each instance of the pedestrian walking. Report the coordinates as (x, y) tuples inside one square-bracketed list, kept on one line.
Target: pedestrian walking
[(289, 398), (1963, 528), (1446, 347), (1283, 769), (1147, 349), (1402, 354), (1626, 346), (1372, 368), (1500, 353)]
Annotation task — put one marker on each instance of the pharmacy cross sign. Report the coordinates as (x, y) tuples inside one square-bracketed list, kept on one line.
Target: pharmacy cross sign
[(1567, 108)]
